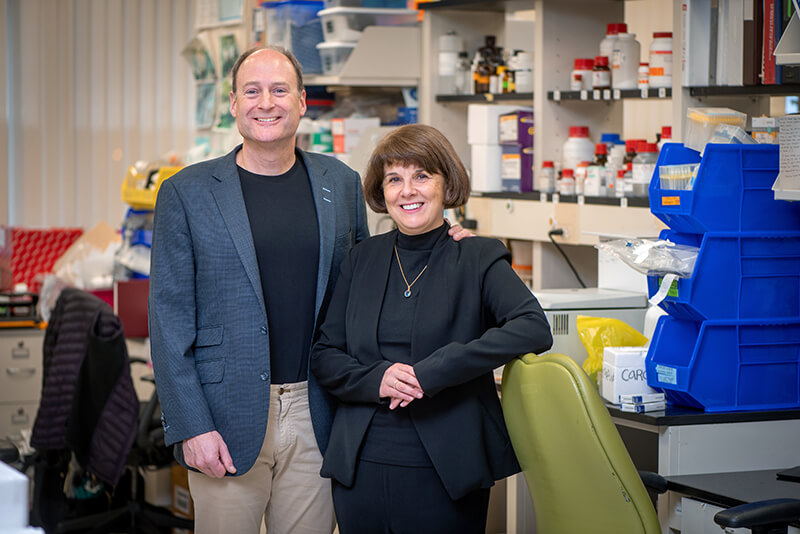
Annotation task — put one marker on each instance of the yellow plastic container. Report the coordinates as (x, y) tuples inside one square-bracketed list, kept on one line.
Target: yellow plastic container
[(140, 189)]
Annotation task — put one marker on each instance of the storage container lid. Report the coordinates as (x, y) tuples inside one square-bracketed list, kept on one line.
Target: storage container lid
[(343, 10), (589, 298)]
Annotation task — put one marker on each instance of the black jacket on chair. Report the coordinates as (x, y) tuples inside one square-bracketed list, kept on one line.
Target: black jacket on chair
[(461, 332)]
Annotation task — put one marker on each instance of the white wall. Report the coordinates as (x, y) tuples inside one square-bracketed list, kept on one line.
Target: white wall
[(91, 87)]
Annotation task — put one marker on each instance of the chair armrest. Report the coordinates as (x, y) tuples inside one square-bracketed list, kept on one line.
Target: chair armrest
[(774, 512), (654, 481)]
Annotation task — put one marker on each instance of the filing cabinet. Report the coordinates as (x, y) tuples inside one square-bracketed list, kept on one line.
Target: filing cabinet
[(20, 378)]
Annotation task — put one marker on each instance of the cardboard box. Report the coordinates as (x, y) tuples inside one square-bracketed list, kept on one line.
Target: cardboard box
[(624, 373), (483, 122), (346, 132), (182, 504), (27, 254), (517, 168), (485, 166), (516, 128)]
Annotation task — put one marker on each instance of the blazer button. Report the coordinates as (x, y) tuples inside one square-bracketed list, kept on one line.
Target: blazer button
[(263, 330), (264, 376)]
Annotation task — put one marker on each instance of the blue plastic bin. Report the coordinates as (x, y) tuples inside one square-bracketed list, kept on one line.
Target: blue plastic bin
[(732, 192), (721, 366), (736, 276)]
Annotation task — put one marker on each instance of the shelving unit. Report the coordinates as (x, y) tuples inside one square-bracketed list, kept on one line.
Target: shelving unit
[(610, 94)]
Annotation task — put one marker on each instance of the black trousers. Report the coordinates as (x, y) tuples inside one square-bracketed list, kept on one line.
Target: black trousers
[(393, 499)]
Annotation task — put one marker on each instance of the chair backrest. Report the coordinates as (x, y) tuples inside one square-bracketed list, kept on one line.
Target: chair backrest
[(578, 471)]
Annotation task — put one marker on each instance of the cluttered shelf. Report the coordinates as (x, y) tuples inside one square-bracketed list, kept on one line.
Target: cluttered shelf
[(609, 94)]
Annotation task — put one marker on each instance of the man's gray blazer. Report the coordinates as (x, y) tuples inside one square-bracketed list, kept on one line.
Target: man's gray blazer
[(208, 323)]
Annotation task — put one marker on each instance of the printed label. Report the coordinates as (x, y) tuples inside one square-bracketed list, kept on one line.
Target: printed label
[(670, 201), (667, 375)]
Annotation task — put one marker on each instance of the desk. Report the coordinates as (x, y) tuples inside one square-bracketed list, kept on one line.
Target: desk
[(724, 490), (682, 441)]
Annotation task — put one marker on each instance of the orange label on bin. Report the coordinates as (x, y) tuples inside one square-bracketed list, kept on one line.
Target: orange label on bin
[(670, 201)]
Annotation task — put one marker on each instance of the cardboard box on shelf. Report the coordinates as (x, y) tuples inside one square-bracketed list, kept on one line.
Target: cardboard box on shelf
[(181, 498), (347, 131)]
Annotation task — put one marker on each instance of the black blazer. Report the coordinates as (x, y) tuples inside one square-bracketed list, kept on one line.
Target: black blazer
[(463, 329)]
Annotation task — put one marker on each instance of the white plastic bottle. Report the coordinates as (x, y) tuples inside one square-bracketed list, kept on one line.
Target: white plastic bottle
[(450, 44), (547, 178), (625, 62), (578, 147), (612, 30), (661, 60), (566, 184), (523, 72), (644, 164)]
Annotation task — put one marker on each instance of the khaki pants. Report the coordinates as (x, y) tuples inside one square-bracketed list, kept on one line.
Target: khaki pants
[(283, 487)]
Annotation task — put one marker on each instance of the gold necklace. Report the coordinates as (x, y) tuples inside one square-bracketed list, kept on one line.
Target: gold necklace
[(407, 292)]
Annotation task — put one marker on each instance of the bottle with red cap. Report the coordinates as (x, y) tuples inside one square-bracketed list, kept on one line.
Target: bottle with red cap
[(582, 71), (577, 147), (566, 184), (547, 178), (666, 136), (644, 164), (601, 73), (594, 185), (661, 60), (612, 30)]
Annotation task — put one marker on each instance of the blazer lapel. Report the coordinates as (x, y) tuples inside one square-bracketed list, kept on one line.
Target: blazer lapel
[(230, 201), (322, 190)]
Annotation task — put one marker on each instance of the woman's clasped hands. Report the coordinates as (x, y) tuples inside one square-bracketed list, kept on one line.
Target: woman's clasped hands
[(400, 385)]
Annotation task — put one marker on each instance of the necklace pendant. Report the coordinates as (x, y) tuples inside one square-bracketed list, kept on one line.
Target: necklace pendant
[(407, 293)]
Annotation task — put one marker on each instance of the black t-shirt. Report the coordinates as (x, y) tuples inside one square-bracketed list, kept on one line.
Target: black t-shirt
[(283, 220)]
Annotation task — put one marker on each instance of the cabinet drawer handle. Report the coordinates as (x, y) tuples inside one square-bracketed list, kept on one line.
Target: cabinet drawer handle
[(21, 371), (20, 418), (20, 352)]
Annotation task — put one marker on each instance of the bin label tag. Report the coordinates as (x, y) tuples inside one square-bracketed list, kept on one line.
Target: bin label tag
[(670, 201), (667, 375), (673, 288)]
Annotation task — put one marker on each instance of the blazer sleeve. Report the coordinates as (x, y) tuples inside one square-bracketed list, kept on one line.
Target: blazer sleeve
[(520, 327), (172, 319), (341, 373)]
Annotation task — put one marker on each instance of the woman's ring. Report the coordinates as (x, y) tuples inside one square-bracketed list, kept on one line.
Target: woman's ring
[(395, 384)]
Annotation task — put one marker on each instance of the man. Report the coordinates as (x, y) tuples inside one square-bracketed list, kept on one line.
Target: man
[(246, 250)]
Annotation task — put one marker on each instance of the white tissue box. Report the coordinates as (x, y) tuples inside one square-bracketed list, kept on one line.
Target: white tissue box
[(624, 373)]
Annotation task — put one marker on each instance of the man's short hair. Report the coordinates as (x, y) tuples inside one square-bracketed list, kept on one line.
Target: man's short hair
[(298, 69), (425, 147)]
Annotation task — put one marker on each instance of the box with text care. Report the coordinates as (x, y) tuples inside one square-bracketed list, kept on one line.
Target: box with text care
[(347, 131), (516, 128), (624, 373)]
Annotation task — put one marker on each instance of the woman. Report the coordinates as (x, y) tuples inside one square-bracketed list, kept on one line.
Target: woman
[(415, 326)]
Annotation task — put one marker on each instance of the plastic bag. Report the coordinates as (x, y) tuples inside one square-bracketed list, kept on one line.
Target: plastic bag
[(596, 333), (650, 256)]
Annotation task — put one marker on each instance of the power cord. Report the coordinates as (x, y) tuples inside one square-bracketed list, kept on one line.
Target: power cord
[(559, 231)]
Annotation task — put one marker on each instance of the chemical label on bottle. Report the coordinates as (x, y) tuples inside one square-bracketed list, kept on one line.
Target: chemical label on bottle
[(601, 79), (642, 172)]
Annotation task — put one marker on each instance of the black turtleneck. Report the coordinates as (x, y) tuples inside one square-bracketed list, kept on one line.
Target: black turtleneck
[(392, 437)]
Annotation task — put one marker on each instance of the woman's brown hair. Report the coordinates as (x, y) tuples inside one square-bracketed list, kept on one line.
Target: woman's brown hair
[(425, 147)]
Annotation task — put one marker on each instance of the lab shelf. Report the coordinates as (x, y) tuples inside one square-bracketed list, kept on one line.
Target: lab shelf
[(485, 98), (746, 90), (606, 95), (726, 365), (736, 276)]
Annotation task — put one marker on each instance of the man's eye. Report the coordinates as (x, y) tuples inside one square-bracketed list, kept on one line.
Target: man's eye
[(251, 92)]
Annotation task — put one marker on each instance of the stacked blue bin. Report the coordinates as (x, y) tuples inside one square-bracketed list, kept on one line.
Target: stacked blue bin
[(731, 339)]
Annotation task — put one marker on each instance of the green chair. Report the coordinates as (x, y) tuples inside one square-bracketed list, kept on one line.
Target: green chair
[(580, 475)]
